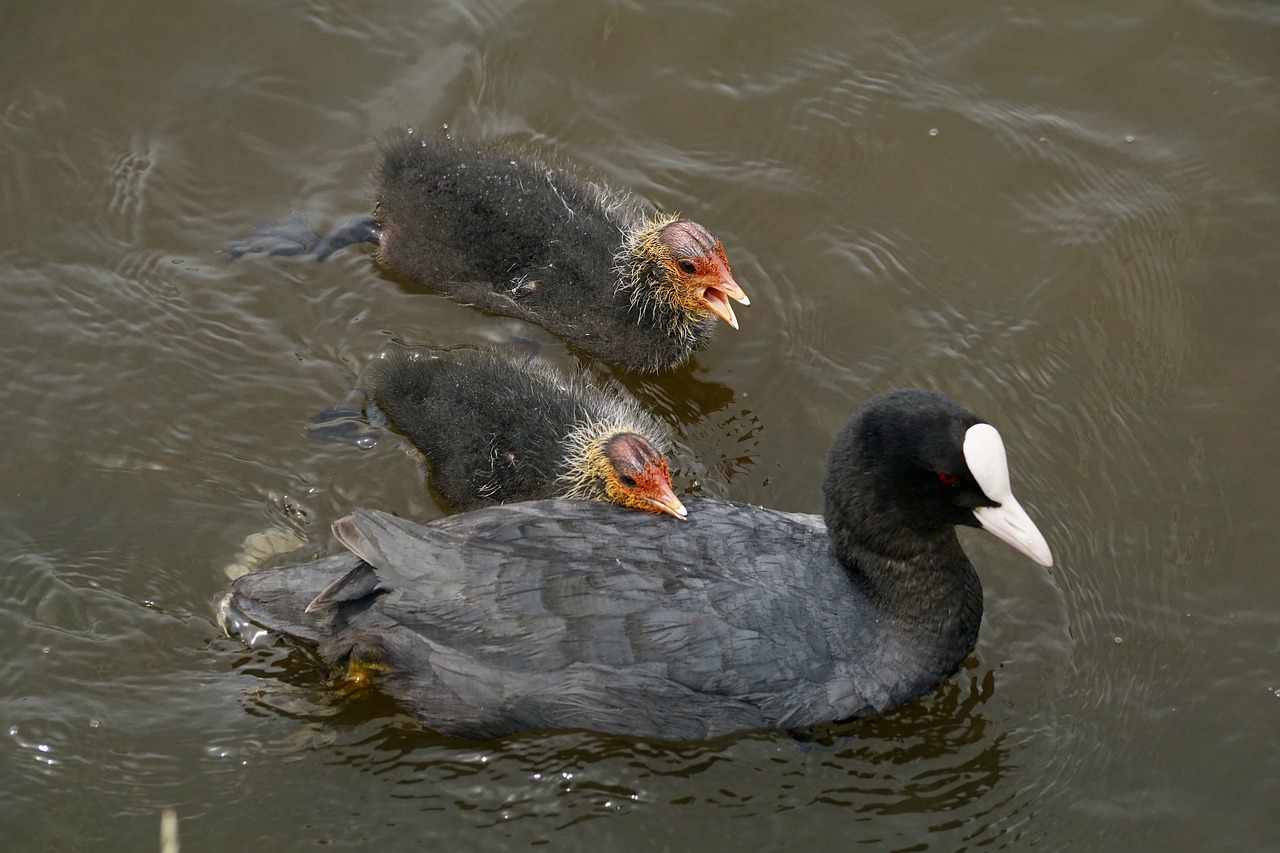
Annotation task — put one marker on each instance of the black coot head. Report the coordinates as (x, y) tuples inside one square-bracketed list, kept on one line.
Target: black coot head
[(912, 464)]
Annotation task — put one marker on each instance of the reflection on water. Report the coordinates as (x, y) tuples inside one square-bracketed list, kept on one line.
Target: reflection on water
[(941, 755)]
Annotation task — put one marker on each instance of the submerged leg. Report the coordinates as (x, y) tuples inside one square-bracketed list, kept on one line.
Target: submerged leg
[(355, 231), (295, 236), (346, 424)]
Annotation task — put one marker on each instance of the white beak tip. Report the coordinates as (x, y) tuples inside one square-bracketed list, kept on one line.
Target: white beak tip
[(1011, 525)]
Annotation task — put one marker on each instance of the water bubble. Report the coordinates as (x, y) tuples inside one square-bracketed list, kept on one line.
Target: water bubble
[(1129, 137), (933, 131), (1118, 641)]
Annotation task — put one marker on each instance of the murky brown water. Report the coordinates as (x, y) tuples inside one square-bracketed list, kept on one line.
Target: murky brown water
[(1065, 215)]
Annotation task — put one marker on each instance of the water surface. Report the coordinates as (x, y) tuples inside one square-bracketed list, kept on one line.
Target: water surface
[(1063, 215)]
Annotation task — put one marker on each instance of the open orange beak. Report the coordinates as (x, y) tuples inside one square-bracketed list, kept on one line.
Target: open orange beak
[(716, 296)]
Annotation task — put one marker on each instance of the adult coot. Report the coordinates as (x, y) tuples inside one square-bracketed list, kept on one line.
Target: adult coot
[(498, 427), (548, 615), (511, 234)]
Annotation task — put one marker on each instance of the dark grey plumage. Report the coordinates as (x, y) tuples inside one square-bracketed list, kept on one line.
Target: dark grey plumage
[(559, 615), (497, 426), (516, 236), (505, 231)]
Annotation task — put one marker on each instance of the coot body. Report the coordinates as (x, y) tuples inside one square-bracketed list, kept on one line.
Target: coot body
[(506, 231), (548, 615), (496, 426)]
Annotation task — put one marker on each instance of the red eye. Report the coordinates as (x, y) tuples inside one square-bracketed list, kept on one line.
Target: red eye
[(947, 478)]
